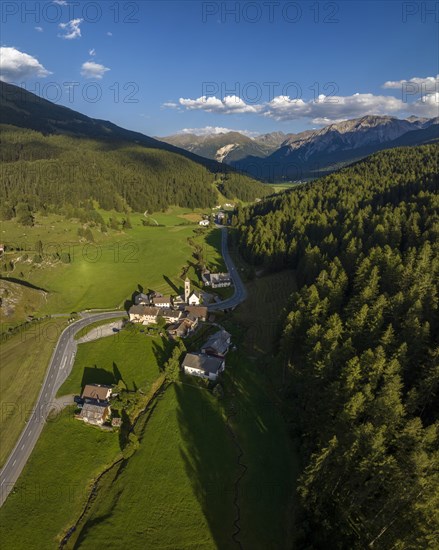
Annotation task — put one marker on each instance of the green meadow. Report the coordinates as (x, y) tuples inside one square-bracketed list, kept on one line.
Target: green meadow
[(129, 356), (105, 273), (22, 371), (55, 483)]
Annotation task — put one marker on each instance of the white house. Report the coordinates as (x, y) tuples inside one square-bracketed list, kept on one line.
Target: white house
[(204, 223), (162, 301), (143, 314), (216, 280), (194, 299), (204, 366), (97, 392)]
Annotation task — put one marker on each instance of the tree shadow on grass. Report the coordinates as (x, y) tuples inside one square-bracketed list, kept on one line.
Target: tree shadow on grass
[(209, 458), (97, 375), (171, 284)]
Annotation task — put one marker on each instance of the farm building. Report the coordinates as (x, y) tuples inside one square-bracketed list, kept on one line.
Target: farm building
[(204, 366)]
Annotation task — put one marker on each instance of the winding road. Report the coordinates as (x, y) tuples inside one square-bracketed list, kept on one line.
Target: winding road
[(240, 290), (59, 369), (61, 364)]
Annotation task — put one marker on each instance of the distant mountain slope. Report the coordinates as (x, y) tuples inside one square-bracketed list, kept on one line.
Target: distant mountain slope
[(278, 156), (228, 147), (54, 156)]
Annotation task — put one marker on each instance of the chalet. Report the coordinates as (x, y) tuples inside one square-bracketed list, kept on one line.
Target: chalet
[(143, 314), (162, 301), (204, 366), (216, 280), (142, 300), (194, 299), (220, 280), (218, 344), (96, 392), (95, 413), (170, 315), (197, 311)]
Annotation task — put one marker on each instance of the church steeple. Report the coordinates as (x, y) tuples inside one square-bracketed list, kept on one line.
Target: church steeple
[(187, 290)]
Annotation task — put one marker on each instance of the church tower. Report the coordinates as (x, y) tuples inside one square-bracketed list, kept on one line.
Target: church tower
[(187, 290)]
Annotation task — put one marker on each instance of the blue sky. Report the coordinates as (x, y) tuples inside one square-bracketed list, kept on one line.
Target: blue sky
[(163, 67)]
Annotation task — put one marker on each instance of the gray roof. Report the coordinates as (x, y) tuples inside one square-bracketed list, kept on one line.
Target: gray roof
[(219, 342), (161, 300), (144, 310), (93, 413), (168, 312), (205, 363)]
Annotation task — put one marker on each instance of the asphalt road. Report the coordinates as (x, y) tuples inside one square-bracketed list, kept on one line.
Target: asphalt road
[(60, 366), (240, 290)]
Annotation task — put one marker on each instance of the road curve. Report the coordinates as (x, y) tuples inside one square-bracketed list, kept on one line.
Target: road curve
[(240, 291), (60, 365)]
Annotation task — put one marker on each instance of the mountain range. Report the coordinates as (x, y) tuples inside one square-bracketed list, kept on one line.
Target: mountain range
[(277, 156), (117, 168)]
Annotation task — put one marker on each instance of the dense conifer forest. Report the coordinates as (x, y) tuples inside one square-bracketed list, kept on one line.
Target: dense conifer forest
[(53, 172), (360, 344)]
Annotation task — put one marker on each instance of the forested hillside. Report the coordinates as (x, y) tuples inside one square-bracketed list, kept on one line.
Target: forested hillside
[(44, 173), (361, 346)]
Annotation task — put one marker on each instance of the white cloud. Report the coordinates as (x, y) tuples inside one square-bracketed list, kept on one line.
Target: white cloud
[(427, 105), (39, 29), (327, 109), (333, 109), (429, 82), (231, 104), (72, 29), (16, 65), (92, 52), (214, 130), (90, 69), (170, 105), (109, 33), (60, 2)]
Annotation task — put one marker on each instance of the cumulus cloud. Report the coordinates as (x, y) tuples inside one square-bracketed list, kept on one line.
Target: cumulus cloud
[(231, 104), (16, 65), (39, 29), (334, 108), (427, 105), (72, 29), (90, 69), (429, 82), (214, 130), (422, 101)]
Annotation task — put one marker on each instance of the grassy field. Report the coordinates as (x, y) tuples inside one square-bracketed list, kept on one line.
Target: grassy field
[(55, 483), (176, 491), (21, 374), (129, 355), (105, 273), (17, 302)]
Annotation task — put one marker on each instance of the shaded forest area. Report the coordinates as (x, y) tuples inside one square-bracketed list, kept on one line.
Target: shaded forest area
[(361, 346)]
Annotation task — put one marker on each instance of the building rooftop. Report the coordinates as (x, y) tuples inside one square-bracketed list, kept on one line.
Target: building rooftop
[(96, 392), (201, 362)]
